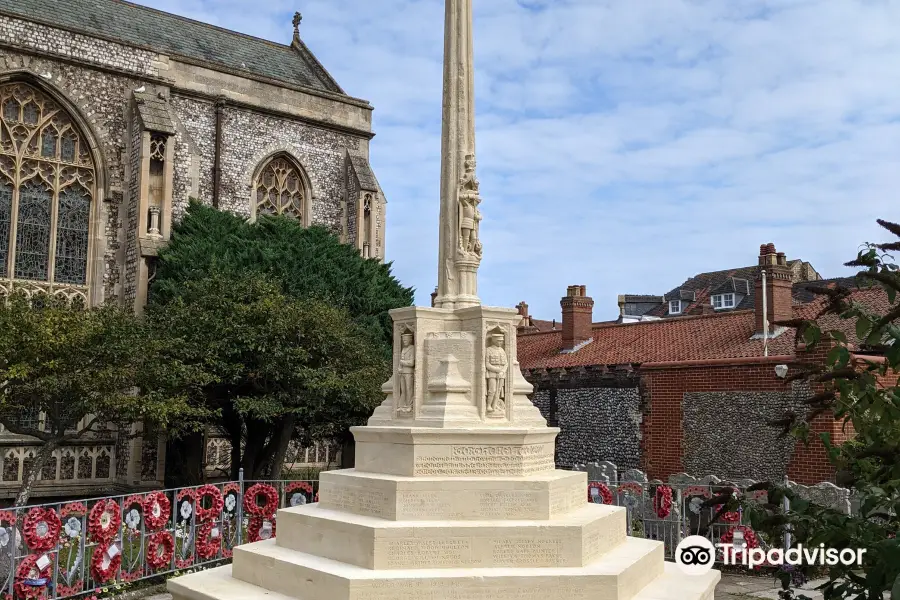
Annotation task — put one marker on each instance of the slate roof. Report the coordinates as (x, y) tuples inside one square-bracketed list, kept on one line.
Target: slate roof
[(154, 113), (363, 172), (177, 36), (704, 337)]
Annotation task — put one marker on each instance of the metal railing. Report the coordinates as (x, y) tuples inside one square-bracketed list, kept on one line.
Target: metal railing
[(70, 549), (687, 514), (85, 554)]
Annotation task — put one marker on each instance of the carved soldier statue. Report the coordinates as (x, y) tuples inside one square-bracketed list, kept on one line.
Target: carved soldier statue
[(469, 215), (495, 366), (406, 372)]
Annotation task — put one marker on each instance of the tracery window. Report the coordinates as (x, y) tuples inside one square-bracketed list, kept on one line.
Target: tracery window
[(279, 189), (46, 193)]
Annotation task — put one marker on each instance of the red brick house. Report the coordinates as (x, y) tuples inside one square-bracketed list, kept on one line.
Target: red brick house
[(690, 393)]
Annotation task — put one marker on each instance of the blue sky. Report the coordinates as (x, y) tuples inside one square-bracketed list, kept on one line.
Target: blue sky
[(622, 144)]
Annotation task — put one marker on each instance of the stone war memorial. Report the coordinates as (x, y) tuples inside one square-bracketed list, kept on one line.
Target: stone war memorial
[(454, 494)]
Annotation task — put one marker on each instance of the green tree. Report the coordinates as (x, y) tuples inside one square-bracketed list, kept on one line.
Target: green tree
[(858, 386), (306, 262), (84, 371), (277, 364)]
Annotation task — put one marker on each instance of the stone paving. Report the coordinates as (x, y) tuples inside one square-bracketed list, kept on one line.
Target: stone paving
[(732, 587)]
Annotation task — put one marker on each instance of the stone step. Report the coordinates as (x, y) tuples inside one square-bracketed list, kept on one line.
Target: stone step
[(619, 575), (574, 540), (675, 585), (218, 584), (540, 496)]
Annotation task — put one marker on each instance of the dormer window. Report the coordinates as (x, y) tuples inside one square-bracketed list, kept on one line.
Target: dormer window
[(674, 307), (720, 301)]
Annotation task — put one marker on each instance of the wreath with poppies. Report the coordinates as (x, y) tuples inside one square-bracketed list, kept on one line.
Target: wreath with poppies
[(698, 490), (603, 492), (216, 503), (160, 548), (41, 529), (31, 581), (251, 500), (104, 521), (232, 495), (104, 568), (208, 545), (750, 539), (662, 501), (298, 486), (156, 509), (255, 529), (73, 509)]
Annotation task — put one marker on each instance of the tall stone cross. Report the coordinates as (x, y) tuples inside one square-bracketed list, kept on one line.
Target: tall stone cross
[(459, 255)]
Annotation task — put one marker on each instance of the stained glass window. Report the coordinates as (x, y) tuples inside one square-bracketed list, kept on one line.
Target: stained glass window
[(279, 189), (48, 143), (33, 232), (72, 235), (30, 114), (67, 150), (5, 218), (45, 220), (11, 110)]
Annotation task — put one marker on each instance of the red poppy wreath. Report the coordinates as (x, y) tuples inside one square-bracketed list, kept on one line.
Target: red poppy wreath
[(207, 544), (156, 510), (257, 531), (104, 521), (602, 492), (662, 501), (104, 568), (160, 548), (31, 581), (41, 529), (216, 502), (270, 504)]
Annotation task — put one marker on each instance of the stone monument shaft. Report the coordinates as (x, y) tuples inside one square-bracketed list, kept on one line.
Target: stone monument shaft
[(459, 254)]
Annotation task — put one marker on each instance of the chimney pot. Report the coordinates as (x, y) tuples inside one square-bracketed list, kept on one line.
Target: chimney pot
[(522, 308)]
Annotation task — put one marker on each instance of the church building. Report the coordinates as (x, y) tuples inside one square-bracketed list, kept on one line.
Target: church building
[(114, 115)]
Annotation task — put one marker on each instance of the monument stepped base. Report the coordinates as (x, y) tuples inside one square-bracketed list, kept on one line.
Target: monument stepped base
[(635, 572), (337, 549)]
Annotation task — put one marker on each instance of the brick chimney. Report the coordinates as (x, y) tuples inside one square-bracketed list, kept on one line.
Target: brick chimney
[(526, 325), (577, 315), (779, 280)]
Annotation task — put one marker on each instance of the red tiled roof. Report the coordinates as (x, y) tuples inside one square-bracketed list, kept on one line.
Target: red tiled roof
[(702, 337)]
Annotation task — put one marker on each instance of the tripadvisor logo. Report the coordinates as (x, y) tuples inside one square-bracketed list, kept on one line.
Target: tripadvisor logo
[(695, 555)]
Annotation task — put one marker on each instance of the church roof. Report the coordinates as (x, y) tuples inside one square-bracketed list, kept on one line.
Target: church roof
[(363, 172), (178, 37)]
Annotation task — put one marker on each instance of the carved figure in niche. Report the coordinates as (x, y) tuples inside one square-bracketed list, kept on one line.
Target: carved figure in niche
[(406, 371), (495, 366), (469, 215)]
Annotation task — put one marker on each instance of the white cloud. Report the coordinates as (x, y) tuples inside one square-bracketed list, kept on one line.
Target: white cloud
[(623, 145)]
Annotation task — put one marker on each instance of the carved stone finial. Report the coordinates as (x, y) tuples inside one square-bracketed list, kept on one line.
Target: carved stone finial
[(297, 18)]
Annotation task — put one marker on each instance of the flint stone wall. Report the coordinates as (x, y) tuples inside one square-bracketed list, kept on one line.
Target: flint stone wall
[(596, 424), (727, 433)]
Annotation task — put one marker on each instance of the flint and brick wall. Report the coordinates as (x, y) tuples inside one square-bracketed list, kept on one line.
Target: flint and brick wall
[(599, 418), (709, 418)]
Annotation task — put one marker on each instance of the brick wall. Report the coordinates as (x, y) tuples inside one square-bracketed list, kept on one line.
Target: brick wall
[(663, 430)]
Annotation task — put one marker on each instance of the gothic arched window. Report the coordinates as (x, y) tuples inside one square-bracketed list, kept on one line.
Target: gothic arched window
[(46, 192), (280, 189)]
